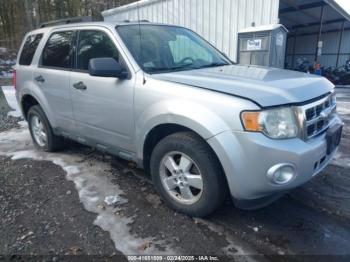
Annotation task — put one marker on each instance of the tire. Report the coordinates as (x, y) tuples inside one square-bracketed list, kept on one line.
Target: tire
[(52, 143), (183, 148)]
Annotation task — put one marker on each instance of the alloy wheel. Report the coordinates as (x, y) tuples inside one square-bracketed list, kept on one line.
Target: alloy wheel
[(181, 178)]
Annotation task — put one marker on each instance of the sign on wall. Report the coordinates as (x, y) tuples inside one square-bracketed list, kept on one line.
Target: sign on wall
[(254, 44)]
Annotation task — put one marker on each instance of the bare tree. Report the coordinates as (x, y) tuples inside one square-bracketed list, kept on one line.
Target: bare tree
[(20, 16)]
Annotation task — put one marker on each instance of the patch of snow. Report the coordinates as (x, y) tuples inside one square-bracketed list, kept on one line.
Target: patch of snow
[(340, 95), (93, 186), (343, 108), (10, 95), (111, 200)]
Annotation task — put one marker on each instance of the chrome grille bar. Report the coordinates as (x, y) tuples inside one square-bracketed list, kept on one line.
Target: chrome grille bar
[(316, 116)]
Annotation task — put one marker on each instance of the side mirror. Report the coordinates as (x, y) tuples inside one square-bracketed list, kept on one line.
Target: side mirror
[(107, 67)]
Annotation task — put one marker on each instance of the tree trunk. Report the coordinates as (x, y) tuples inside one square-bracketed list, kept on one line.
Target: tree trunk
[(28, 10), (4, 107)]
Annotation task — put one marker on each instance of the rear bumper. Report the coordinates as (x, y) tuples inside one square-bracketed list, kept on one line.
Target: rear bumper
[(246, 157)]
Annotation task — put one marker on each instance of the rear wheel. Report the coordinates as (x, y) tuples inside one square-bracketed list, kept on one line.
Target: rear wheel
[(41, 131), (188, 175)]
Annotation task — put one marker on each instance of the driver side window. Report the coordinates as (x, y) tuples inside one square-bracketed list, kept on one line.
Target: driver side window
[(94, 44), (183, 47)]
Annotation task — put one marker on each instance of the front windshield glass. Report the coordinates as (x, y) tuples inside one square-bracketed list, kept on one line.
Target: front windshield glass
[(160, 48)]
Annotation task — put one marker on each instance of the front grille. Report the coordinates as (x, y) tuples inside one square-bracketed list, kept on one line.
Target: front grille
[(317, 116)]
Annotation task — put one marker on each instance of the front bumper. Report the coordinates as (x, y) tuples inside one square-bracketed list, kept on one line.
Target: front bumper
[(246, 157)]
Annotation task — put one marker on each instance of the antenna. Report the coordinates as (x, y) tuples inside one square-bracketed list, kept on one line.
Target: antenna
[(140, 32)]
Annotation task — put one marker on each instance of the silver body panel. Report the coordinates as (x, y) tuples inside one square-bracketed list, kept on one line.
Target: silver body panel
[(117, 115)]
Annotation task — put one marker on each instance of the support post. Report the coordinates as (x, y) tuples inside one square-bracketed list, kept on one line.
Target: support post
[(317, 56), (340, 40), (294, 45)]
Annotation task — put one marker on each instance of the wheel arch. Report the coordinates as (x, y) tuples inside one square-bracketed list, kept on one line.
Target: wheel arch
[(160, 131), (29, 99), (26, 103)]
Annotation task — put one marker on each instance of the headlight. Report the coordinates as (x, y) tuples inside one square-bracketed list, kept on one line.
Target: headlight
[(276, 123)]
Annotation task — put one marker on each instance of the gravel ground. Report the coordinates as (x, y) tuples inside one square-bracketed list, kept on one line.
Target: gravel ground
[(43, 218), (8, 122), (38, 217)]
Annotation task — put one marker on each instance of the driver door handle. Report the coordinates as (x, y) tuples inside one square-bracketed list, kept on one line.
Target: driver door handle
[(80, 86)]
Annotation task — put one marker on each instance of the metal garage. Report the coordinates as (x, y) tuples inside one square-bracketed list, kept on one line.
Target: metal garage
[(318, 31), (311, 23), (218, 21)]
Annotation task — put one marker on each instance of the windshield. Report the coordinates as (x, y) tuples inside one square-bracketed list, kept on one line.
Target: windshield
[(160, 48)]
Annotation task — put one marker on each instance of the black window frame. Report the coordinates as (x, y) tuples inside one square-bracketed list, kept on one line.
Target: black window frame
[(76, 46), (72, 59), (41, 35)]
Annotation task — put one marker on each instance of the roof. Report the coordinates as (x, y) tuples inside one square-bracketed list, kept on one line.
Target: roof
[(270, 27), (303, 16), (130, 6)]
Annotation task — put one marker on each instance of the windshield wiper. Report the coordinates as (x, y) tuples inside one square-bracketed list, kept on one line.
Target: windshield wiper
[(170, 69), (183, 67), (213, 65)]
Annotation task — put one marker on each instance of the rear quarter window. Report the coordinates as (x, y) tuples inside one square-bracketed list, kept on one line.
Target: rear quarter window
[(29, 48)]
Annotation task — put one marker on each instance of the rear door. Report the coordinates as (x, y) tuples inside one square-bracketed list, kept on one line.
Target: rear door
[(104, 109), (53, 77), (24, 68)]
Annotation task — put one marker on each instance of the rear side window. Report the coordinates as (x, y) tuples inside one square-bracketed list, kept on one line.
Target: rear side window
[(29, 48), (58, 50), (94, 44)]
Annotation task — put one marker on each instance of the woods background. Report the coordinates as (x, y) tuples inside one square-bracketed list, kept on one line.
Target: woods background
[(17, 17)]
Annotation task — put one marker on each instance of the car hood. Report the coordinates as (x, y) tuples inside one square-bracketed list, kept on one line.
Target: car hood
[(264, 85)]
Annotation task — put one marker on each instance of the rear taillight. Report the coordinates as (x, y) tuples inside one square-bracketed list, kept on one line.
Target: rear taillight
[(14, 80)]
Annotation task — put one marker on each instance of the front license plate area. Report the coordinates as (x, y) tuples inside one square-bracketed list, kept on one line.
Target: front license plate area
[(333, 137)]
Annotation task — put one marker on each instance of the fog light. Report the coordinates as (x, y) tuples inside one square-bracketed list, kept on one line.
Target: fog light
[(281, 174)]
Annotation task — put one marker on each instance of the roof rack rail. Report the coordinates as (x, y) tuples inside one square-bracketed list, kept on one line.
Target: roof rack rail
[(66, 21), (136, 21)]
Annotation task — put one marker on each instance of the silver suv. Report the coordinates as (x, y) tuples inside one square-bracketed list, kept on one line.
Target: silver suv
[(163, 97)]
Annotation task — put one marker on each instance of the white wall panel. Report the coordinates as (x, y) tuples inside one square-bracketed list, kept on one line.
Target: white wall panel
[(218, 21)]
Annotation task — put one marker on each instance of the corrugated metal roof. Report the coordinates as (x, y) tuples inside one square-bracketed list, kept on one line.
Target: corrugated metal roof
[(303, 16), (262, 28)]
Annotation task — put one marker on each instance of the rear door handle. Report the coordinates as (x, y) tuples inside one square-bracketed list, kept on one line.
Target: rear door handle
[(40, 79), (80, 86)]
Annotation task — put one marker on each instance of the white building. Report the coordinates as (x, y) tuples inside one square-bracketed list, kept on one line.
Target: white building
[(312, 24)]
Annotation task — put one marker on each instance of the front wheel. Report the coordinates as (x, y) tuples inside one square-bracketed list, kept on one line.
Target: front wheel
[(187, 174)]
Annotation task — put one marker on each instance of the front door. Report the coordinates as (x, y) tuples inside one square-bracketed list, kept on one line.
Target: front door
[(102, 106)]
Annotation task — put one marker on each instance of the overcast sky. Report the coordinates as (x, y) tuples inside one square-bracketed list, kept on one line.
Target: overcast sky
[(345, 4)]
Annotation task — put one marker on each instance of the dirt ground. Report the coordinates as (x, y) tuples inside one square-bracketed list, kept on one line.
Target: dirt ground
[(54, 205), (42, 215)]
